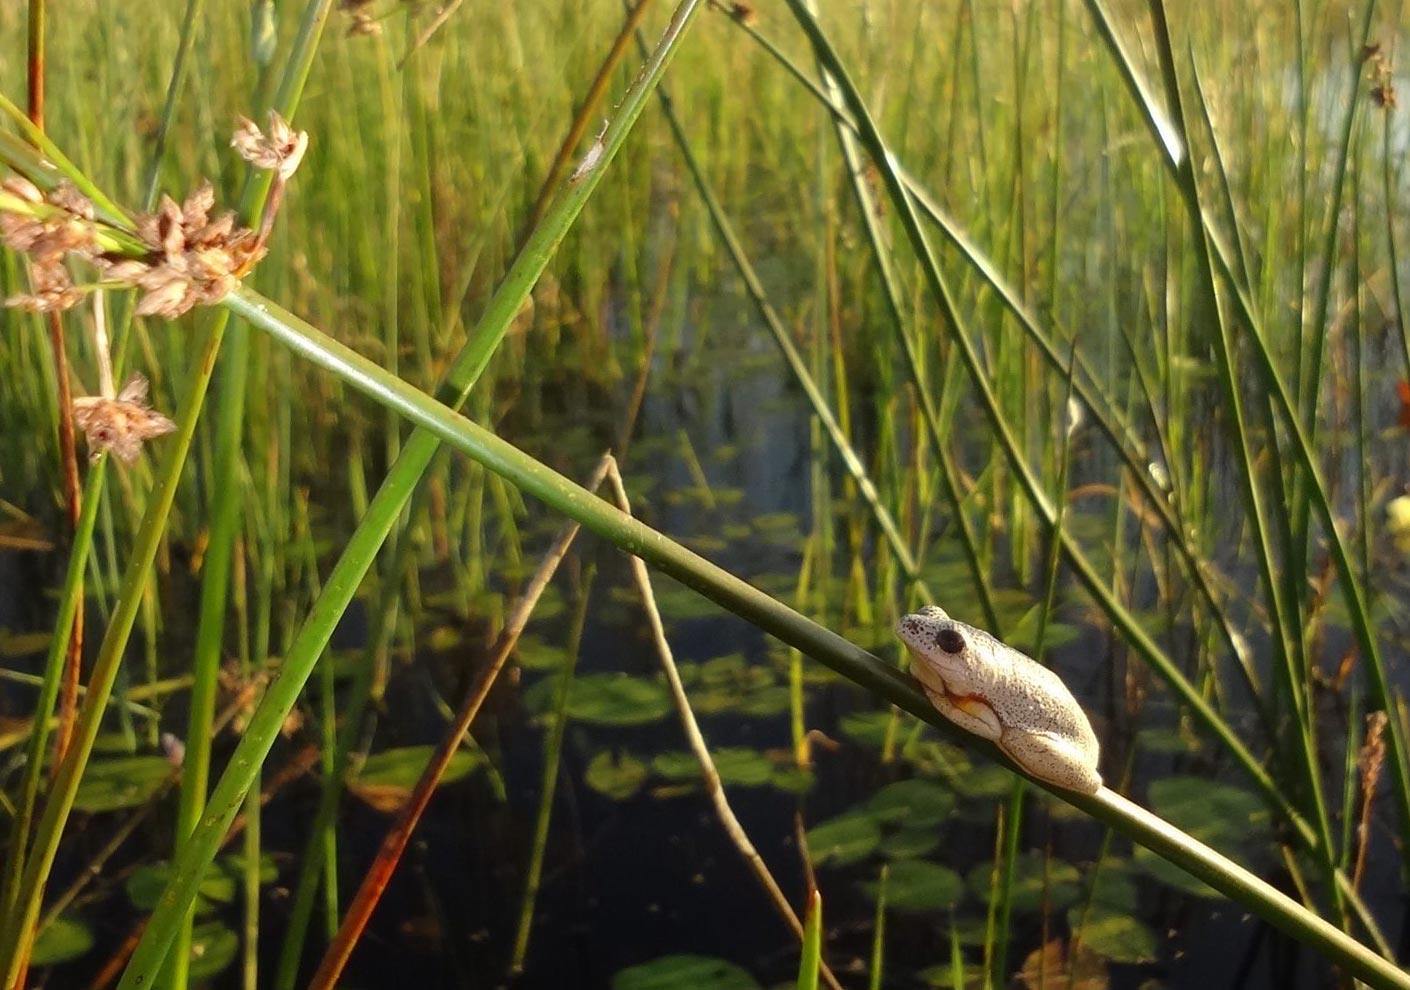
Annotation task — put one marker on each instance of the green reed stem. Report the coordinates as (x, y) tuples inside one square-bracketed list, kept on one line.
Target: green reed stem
[(226, 501), (869, 210), (1128, 625), (20, 922), (382, 513), (548, 782), (69, 601), (1297, 437), (1091, 393), (810, 960), (796, 364), (737, 596)]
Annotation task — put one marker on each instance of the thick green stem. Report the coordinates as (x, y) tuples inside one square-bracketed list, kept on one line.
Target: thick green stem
[(773, 617)]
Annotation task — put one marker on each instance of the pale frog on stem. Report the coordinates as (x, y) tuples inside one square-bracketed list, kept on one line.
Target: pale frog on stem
[(992, 690)]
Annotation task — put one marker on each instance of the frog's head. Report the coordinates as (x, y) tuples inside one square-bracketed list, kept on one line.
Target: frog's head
[(935, 640)]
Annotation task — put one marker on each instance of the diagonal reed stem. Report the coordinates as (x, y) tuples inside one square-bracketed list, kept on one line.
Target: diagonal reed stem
[(383, 512), (775, 618)]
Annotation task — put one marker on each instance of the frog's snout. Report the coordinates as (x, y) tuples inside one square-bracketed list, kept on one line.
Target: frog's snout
[(919, 626)]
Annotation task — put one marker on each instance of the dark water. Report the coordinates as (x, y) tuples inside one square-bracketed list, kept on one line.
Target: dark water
[(628, 881)]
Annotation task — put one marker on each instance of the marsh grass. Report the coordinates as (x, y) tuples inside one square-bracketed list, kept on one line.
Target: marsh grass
[(948, 243)]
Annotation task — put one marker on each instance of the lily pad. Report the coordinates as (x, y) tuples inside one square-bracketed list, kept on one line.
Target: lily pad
[(676, 766), (1058, 885), (942, 976), (741, 766), (915, 803), (1115, 936), (792, 779), (1212, 812), (534, 654), (736, 765), (672, 972), (617, 700), (848, 838), (910, 843), (1170, 874), (213, 947), (59, 941), (386, 779), (987, 780), (919, 885), (1167, 741), (145, 886), (147, 882), (676, 601), (618, 776), (122, 782), (867, 728)]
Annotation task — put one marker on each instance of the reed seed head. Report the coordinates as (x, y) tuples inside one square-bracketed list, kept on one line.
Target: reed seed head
[(120, 425), (280, 150)]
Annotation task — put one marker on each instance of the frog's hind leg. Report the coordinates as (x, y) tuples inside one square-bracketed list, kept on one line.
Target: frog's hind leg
[(967, 711), (1053, 759)]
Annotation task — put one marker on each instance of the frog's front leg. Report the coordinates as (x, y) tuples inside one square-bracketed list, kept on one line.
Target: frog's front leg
[(1051, 758), (969, 711)]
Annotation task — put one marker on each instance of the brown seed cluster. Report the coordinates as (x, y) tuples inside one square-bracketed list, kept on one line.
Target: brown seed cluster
[(185, 255), (193, 259), (1382, 76), (279, 151), (361, 23), (120, 426), (59, 224), (193, 256)]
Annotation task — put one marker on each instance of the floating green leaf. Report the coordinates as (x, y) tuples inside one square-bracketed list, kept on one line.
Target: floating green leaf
[(1170, 874), (387, 778), (915, 803), (848, 838), (1115, 936), (62, 939), (145, 884), (793, 779), (617, 699), (1209, 810), (941, 976), (919, 885), (867, 728), (533, 653), (1037, 880), (673, 972), (737, 766), (122, 782), (618, 776), (910, 843), (213, 947)]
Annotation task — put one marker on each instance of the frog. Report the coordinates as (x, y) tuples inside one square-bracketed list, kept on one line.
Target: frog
[(987, 687)]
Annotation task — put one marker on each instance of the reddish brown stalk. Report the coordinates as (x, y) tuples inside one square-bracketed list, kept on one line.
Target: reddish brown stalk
[(1369, 761), (369, 892), (582, 120), (68, 698), (68, 455), (36, 63)]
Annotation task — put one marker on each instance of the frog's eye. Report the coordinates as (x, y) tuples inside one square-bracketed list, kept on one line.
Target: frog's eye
[(950, 639)]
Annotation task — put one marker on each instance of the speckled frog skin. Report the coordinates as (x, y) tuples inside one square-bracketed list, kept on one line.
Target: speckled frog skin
[(992, 690)]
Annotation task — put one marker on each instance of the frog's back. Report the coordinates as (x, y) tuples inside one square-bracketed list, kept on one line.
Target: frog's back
[(1034, 696)]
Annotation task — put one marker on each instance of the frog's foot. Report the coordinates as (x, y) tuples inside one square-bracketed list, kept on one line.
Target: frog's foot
[(1052, 759), (970, 712)]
